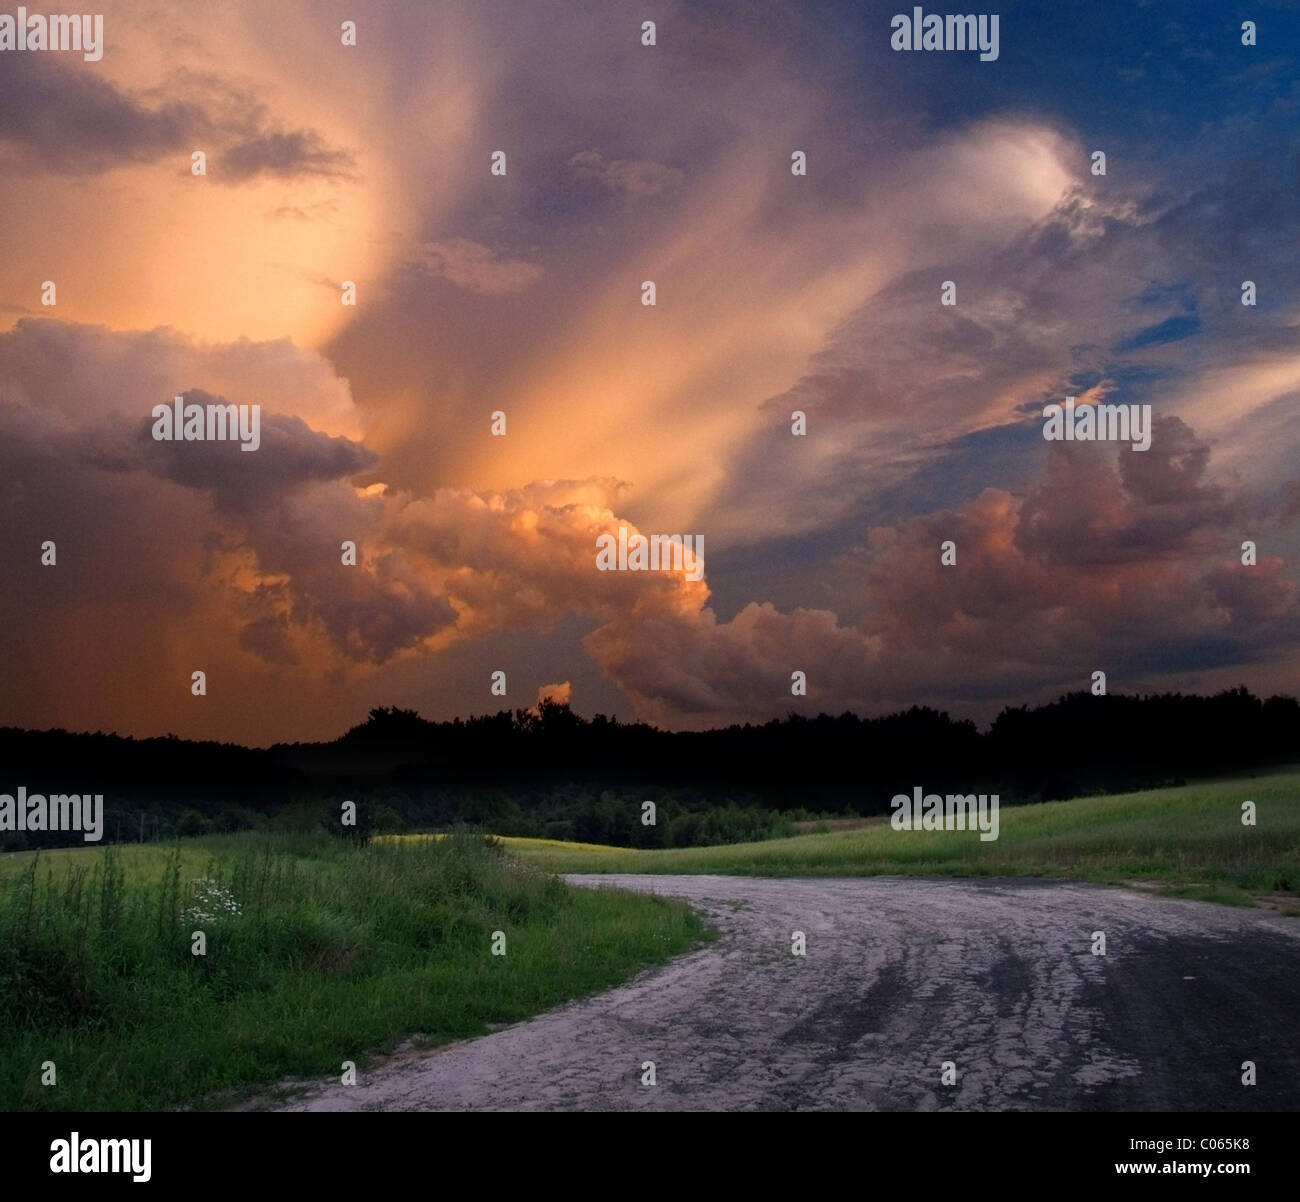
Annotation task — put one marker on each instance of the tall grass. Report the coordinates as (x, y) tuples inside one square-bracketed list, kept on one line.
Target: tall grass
[(317, 951)]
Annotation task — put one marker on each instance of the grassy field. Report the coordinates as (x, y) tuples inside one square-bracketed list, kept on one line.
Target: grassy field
[(317, 952), (1187, 841)]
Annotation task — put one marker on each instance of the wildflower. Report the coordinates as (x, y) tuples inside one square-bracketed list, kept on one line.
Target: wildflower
[(212, 902)]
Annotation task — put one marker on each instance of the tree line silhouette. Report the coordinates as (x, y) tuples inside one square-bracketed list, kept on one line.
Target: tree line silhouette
[(553, 764)]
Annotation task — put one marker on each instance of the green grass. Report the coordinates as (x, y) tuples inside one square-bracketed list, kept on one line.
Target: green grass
[(1189, 840), (337, 952)]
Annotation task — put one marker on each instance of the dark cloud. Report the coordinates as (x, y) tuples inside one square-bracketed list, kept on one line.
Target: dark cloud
[(74, 122), (286, 156), (77, 123), (290, 454), (1125, 562), (1100, 506)]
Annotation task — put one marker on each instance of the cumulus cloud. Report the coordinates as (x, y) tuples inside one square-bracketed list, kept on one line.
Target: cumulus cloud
[(211, 548), (91, 372), (235, 560), (1124, 563), (1125, 293), (555, 694), (291, 455), (818, 293)]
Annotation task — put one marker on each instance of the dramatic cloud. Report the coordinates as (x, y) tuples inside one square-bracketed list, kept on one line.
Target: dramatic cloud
[(87, 372), (521, 292), (1129, 566), (74, 122)]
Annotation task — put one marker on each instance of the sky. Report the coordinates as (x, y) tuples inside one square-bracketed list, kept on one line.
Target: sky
[(480, 293)]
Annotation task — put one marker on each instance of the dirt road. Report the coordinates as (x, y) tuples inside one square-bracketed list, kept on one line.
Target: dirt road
[(899, 976)]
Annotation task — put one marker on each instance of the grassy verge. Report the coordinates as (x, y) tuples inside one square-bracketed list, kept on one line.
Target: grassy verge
[(1190, 841), (317, 952)]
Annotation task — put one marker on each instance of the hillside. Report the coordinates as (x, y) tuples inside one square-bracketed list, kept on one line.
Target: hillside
[(1189, 841)]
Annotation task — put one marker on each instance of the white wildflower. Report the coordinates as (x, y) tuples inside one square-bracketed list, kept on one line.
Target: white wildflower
[(212, 902)]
